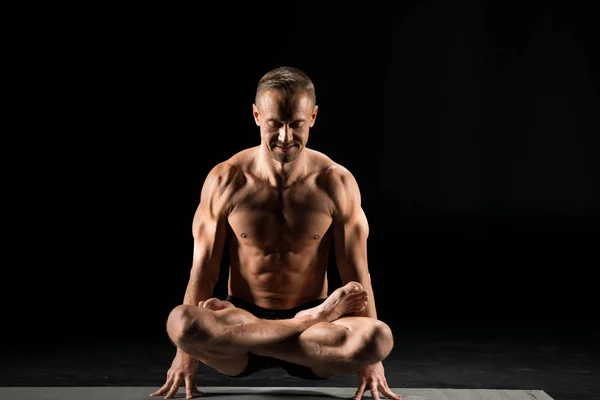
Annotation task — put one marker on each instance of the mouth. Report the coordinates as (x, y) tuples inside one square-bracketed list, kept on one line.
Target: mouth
[(286, 149)]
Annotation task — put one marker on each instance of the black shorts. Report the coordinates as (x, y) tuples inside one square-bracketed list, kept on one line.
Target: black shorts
[(258, 363)]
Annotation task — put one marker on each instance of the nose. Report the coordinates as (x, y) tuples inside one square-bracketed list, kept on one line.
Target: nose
[(285, 134)]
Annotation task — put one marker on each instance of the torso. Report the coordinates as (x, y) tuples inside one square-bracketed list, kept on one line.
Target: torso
[(279, 236)]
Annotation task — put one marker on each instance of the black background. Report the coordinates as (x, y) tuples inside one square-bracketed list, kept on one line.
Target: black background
[(471, 127)]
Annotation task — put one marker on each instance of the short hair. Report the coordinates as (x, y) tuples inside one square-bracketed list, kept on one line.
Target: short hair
[(288, 80)]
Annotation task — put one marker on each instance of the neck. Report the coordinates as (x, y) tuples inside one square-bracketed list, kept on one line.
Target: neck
[(278, 173)]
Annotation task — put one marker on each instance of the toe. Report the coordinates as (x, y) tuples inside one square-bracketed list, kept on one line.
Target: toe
[(355, 287)]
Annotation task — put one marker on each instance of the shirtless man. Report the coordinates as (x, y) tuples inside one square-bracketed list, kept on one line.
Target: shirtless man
[(281, 205)]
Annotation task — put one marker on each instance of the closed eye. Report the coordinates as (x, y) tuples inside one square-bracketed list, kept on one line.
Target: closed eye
[(274, 124)]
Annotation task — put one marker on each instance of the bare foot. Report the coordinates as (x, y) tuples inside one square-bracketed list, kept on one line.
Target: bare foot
[(344, 300), (215, 304)]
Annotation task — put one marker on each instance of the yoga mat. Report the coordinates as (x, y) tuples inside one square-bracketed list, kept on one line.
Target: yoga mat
[(261, 393)]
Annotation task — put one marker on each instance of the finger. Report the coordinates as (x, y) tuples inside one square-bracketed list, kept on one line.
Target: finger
[(374, 391), (360, 391), (385, 389), (164, 389), (174, 388), (160, 391), (190, 388)]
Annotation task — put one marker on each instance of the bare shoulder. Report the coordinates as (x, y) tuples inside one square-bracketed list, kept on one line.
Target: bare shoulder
[(332, 176), (226, 177), (337, 181)]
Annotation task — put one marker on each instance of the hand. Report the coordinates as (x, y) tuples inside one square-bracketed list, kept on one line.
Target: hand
[(372, 377), (183, 371)]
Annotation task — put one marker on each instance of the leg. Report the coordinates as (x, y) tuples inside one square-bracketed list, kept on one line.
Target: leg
[(339, 347), (222, 337), (235, 364)]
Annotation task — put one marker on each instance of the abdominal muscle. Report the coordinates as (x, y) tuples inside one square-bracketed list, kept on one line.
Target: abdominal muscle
[(278, 281)]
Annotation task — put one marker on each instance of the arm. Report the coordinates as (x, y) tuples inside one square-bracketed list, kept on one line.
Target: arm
[(350, 233), (209, 229)]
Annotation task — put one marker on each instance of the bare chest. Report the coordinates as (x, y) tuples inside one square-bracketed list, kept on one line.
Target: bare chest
[(274, 219)]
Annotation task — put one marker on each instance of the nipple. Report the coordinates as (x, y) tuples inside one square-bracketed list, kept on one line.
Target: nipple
[(244, 235), (316, 237)]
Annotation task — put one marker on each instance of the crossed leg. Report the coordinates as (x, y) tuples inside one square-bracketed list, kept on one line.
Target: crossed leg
[(321, 338)]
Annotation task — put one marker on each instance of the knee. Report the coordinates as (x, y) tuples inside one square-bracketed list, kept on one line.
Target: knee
[(184, 325), (375, 344)]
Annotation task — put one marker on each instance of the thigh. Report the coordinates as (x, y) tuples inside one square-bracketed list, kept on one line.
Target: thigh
[(223, 361), (334, 345), (230, 366), (336, 337)]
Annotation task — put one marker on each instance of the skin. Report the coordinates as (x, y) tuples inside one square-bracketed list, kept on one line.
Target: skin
[(280, 204)]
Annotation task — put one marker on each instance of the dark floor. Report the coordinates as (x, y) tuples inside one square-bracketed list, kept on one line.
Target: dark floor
[(565, 365)]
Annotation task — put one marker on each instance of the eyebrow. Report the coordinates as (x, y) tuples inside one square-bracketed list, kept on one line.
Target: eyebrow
[(292, 121)]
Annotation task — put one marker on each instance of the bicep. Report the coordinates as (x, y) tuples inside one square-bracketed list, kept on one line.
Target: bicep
[(209, 231), (210, 224), (351, 231)]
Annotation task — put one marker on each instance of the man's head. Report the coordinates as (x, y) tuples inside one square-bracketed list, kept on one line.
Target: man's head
[(285, 109)]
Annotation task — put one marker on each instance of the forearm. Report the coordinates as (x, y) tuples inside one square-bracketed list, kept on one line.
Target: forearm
[(201, 285), (364, 278), (370, 310)]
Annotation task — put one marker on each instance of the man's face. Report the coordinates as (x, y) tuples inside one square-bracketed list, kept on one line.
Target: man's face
[(284, 123)]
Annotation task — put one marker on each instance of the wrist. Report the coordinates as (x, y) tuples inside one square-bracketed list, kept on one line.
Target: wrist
[(184, 354)]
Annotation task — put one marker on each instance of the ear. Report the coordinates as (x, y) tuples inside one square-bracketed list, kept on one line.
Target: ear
[(256, 114), (313, 117)]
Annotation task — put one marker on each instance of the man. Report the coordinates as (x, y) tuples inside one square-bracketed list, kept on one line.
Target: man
[(281, 205)]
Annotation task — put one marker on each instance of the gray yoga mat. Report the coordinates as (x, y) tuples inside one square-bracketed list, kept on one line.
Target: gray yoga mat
[(261, 393)]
